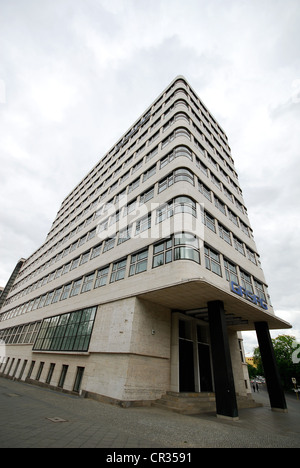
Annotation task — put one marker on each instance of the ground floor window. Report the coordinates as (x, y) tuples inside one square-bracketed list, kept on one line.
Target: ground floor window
[(66, 332), (40, 370), (63, 375), (50, 372), (78, 379)]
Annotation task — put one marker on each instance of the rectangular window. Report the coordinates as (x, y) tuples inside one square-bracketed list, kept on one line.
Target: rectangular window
[(230, 271), (129, 208), (50, 372), (124, 235), (75, 287), (164, 212), (137, 166), (143, 224), (233, 217), (224, 234), (162, 253), (220, 205), (245, 228), (63, 375), (259, 290), (204, 190), (82, 240), (251, 255), (92, 234), (228, 194), (146, 196), (51, 276), (118, 271), (114, 218), (101, 277), (36, 303), (216, 181), (84, 258), (49, 298), (23, 369), (238, 245), (202, 166), (109, 244), (88, 282), (209, 221), (56, 296), (96, 251), (165, 183), (75, 263), (151, 154), (138, 262), (133, 185), (246, 281), (30, 369), (212, 261), (167, 159), (66, 268), (66, 291), (78, 379), (40, 370), (149, 173)]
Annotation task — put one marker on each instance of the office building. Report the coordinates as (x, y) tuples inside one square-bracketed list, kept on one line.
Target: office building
[(149, 272)]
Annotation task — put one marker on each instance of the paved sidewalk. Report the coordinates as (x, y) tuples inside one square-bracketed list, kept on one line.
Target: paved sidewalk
[(34, 417)]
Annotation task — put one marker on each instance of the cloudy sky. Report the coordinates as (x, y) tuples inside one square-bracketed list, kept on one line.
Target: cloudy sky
[(75, 74)]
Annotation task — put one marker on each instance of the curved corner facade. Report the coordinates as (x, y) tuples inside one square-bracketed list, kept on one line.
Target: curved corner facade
[(117, 301)]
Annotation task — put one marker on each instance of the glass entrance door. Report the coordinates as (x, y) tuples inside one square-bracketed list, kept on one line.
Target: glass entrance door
[(186, 366), (195, 373)]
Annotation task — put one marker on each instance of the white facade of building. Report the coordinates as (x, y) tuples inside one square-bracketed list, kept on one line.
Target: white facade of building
[(115, 302)]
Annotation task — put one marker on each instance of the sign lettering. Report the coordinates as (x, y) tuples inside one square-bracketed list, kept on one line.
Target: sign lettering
[(237, 289)]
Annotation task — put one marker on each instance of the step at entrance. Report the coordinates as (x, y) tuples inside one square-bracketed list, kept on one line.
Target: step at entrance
[(196, 403), (187, 403)]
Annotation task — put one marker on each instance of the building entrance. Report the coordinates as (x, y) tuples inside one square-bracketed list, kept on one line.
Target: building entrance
[(195, 372)]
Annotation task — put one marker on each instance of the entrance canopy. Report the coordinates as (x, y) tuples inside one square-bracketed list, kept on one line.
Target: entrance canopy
[(191, 297)]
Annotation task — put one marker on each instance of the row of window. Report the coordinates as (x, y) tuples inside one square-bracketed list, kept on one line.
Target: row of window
[(181, 246), (21, 334), (181, 174), (66, 332), (12, 367), (180, 204), (214, 225), (213, 262), (184, 247), (176, 133), (112, 158), (119, 169)]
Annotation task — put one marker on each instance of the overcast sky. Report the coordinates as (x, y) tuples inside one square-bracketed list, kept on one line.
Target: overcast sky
[(76, 74)]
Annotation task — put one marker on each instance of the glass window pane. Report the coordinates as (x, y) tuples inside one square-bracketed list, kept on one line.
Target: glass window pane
[(158, 260)]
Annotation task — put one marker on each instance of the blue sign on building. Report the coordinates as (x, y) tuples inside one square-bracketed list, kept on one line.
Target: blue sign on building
[(236, 288)]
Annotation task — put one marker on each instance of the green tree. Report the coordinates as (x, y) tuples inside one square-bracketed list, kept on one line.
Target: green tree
[(252, 371), (284, 347)]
